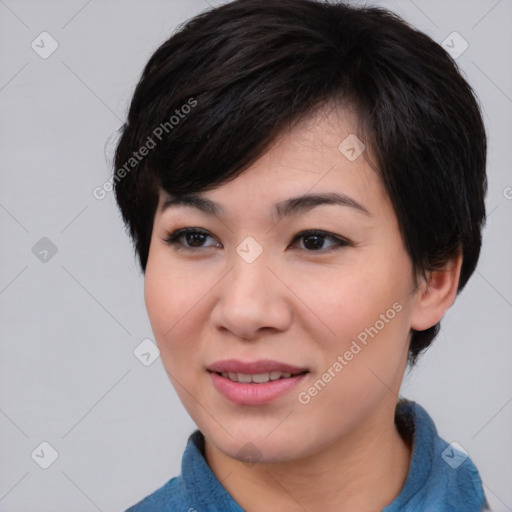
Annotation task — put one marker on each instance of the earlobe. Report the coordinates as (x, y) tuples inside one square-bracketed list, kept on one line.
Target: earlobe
[(436, 294)]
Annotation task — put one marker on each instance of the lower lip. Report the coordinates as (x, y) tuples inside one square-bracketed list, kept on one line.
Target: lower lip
[(254, 394)]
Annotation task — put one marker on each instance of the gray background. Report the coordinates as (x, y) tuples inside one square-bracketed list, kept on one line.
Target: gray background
[(71, 322)]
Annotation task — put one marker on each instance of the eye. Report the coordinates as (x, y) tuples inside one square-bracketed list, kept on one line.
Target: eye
[(192, 236), (313, 241)]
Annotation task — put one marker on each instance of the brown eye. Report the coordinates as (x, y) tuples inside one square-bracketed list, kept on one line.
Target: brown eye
[(189, 238), (314, 241)]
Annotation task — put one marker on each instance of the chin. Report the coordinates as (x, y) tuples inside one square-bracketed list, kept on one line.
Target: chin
[(259, 447)]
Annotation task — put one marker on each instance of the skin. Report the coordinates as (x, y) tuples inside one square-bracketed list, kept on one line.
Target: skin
[(300, 306)]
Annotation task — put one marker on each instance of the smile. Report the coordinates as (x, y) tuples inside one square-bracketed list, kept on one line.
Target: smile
[(257, 378)]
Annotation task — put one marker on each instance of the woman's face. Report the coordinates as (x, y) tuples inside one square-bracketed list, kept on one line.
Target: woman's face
[(253, 296)]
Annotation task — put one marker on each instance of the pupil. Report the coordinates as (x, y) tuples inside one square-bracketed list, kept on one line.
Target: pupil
[(191, 237), (316, 245)]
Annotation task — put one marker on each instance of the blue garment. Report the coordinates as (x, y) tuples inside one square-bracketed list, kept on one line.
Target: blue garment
[(440, 478)]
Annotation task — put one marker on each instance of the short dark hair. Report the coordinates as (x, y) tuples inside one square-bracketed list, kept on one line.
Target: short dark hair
[(214, 96)]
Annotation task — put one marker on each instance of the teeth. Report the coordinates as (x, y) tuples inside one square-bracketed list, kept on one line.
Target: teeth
[(258, 378)]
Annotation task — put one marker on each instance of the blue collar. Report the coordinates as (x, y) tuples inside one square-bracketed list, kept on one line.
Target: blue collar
[(440, 478)]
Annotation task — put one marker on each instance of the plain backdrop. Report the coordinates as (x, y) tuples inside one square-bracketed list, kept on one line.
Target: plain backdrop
[(71, 294)]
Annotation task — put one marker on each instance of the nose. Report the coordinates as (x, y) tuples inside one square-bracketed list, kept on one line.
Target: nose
[(252, 299)]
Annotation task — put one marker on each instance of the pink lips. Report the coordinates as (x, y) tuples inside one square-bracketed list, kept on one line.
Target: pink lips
[(242, 393)]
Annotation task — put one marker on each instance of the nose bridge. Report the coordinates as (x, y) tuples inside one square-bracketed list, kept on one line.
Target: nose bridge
[(251, 297), (249, 269)]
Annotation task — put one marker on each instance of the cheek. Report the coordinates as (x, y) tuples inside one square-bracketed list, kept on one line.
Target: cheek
[(164, 295), (175, 301), (158, 299), (361, 315), (346, 300), (168, 289)]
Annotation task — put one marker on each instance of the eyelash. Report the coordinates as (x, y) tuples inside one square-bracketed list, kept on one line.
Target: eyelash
[(174, 237)]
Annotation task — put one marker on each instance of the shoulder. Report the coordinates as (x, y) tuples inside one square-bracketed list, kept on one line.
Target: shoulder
[(455, 477), (442, 477), (169, 497), (197, 489)]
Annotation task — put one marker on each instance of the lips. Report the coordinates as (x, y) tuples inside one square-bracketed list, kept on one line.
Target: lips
[(255, 383)]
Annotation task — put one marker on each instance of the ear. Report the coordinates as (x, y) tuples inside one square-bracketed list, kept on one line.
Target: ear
[(436, 294)]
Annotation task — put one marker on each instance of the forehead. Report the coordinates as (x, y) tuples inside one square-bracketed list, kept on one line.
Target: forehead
[(324, 154)]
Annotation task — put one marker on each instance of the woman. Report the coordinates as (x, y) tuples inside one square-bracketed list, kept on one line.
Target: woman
[(304, 184)]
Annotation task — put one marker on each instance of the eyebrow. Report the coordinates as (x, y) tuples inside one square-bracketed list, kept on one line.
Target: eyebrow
[(286, 208)]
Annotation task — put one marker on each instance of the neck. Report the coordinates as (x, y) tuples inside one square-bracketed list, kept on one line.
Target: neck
[(363, 471)]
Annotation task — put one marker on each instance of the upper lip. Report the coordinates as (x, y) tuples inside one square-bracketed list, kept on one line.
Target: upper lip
[(254, 367)]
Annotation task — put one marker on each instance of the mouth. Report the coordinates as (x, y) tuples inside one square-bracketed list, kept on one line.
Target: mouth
[(257, 372), (254, 383), (258, 378)]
